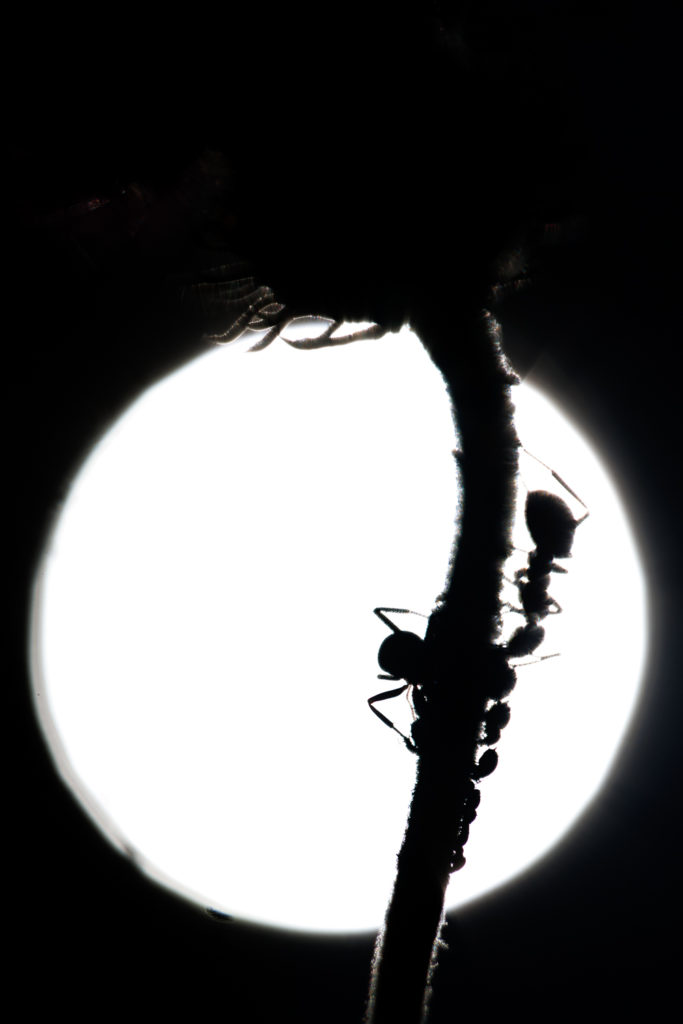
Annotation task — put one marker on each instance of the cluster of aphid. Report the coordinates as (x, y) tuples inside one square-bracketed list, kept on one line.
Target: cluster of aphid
[(405, 656)]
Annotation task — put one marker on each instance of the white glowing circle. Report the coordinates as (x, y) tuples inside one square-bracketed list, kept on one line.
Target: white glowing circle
[(203, 644)]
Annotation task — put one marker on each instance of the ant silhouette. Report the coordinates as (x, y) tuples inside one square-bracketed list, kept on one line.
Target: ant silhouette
[(552, 526), (402, 655)]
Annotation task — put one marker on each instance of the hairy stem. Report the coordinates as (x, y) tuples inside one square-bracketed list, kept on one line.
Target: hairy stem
[(461, 634)]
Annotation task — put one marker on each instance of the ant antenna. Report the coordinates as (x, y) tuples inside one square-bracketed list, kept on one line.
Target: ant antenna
[(563, 483), (379, 612)]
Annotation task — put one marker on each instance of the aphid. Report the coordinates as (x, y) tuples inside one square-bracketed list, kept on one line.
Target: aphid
[(485, 765), (495, 720), (458, 859), (472, 801), (502, 678), (469, 813)]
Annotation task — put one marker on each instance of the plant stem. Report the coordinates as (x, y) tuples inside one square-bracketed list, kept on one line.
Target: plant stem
[(460, 634)]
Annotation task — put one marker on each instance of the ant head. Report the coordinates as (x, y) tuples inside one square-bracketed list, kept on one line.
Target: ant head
[(402, 655), (550, 523)]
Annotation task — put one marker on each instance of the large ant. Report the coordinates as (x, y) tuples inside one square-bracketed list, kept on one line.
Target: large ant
[(552, 527), (402, 655)]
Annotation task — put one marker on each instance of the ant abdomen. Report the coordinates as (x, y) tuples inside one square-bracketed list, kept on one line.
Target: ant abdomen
[(550, 523), (525, 640), (402, 654)]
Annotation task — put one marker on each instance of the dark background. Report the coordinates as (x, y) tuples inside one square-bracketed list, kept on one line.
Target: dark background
[(92, 318)]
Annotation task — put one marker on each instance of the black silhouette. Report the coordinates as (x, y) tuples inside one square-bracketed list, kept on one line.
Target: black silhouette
[(88, 296), (552, 526), (495, 720), (403, 655)]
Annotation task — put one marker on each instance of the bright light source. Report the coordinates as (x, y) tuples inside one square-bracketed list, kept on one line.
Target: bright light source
[(203, 643)]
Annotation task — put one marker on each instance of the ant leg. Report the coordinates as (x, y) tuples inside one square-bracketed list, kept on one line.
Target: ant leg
[(401, 611), (513, 608), (387, 695)]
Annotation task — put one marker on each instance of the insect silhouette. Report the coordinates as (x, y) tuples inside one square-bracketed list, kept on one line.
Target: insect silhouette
[(402, 655), (552, 526), (471, 803), (495, 720), (486, 765)]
